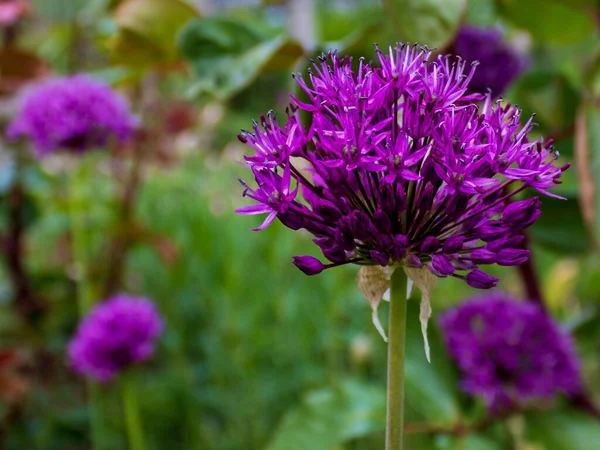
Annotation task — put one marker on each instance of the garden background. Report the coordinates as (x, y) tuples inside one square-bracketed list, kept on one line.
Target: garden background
[(255, 355)]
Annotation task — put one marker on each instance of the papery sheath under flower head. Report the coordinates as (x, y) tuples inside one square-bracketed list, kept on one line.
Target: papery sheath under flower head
[(510, 353), (499, 63), (115, 335), (398, 167), (72, 114)]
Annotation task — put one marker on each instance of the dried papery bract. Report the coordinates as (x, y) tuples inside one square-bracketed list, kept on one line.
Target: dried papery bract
[(373, 282)]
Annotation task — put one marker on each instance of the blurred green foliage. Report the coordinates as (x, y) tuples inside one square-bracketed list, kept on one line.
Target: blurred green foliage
[(256, 355)]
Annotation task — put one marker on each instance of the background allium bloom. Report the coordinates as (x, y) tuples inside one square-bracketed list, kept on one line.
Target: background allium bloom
[(403, 169), (74, 114), (499, 63), (510, 352), (116, 334), (13, 10)]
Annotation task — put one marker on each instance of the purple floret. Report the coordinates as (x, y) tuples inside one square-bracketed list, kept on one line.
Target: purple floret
[(115, 335), (510, 353), (74, 114), (399, 167), (499, 63)]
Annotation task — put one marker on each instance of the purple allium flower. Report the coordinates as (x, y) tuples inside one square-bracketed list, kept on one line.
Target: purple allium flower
[(115, 335), (499, 63), (510, 352), (399, 167), (74, 114)]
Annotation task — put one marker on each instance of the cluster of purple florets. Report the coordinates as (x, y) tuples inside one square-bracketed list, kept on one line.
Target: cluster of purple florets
[(73, 114), (115, 335), (399, 166), (510, 353), (499, 63)]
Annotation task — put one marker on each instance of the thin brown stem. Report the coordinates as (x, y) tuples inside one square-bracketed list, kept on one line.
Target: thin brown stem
[(530, 277), (27, 303), (144, 148), (120, 243)]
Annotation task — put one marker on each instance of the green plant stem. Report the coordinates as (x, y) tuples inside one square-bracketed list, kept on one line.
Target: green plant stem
[(132, 415), (85, 297), (396, 353)]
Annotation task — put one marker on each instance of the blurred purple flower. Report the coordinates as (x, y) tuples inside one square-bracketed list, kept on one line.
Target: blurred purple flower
[(11, 11), (510, 352), (115, 335), (74, 114), (499, 63), (399, 167)]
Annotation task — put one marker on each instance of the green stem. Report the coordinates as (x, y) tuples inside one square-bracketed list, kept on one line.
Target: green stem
[(132, 415), (395, 372), (85, 297)]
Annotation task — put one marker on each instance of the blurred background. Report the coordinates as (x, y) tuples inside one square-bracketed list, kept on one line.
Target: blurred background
[(256, 355)]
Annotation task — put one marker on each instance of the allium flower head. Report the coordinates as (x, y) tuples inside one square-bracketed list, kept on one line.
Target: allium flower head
[(510, 352), (115, 335), (499, 63), (399, 168), (74, 114)]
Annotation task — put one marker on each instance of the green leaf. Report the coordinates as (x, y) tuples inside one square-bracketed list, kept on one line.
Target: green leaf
[(431, 389), (482, 12), (429, 22), (147, 30), (214, 38), (549, 21), (561, 227), (351, 31), (562, 430), (58, 10), (330, 416), (477, 442), (549, 95), (227, 55), (466, 442), (8, 170)]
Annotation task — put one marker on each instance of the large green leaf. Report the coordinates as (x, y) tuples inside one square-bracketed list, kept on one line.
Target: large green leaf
[(58, 10), (550, 21), (214, 38), (431, 389), (562, 430), (466, 442), (330, 416), (482, 13), (351, 31), (8, 170), (549, 95), (477, 442), (227, 55), (147, 30), (561, 226), (428, 22)]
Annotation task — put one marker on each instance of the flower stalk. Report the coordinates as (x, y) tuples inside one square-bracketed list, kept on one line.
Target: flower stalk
[(396, 357), (85, 299), (132, 415)]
